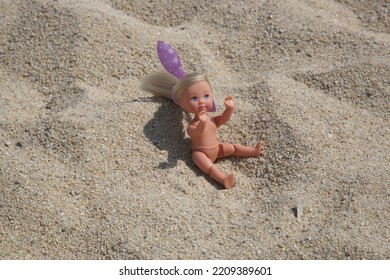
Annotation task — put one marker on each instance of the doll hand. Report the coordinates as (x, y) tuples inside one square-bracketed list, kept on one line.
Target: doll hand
[(202, 116), (229, 103)]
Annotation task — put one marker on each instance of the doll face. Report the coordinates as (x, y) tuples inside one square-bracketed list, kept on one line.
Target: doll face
[(197, 98)]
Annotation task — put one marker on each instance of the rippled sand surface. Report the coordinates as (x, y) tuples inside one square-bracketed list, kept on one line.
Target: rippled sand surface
[(91, 167)]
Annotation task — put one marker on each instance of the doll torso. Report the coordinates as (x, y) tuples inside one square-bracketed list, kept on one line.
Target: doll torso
[(205, 140)]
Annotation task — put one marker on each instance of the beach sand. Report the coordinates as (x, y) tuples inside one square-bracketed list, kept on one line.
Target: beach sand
[(92, 167)]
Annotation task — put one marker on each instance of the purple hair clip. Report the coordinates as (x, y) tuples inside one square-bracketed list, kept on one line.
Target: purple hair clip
[(171, 62)]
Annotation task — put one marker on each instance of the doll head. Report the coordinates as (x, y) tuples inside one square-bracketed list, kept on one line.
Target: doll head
[(171, 62), (188, 82)]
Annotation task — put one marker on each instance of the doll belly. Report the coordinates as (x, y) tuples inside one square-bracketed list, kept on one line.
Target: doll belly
[(211, 152)]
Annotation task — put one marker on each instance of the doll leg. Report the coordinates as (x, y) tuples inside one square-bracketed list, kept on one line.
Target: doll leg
[(207, 166), (226, 150)]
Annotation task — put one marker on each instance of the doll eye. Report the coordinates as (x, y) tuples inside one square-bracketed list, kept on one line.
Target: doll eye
[(194, 98), (207, 96)]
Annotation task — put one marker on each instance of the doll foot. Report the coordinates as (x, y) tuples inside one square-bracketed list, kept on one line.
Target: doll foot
[(228, 181), (259, 148)]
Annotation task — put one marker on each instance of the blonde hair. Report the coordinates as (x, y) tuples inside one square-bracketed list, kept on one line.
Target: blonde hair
[(161, 83), (188, 81)]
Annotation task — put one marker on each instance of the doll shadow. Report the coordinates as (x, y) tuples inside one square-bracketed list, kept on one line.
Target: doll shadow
[(165, 130)]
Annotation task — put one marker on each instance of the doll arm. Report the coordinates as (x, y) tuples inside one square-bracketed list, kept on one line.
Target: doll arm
[(195, 130), (224, 118)]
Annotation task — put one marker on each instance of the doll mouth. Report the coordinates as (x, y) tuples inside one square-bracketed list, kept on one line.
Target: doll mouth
[(202, 108)]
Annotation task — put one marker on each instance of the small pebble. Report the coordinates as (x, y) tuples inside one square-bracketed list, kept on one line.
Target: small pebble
[(300, 207)]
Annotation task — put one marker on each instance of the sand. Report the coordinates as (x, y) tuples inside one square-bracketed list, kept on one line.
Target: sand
[(92, 167)]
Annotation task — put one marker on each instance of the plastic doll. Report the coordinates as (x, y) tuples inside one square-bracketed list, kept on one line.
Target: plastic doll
[(192, 92)]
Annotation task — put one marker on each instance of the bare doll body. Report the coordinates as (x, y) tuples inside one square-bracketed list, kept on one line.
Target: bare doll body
[(197, 99)]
